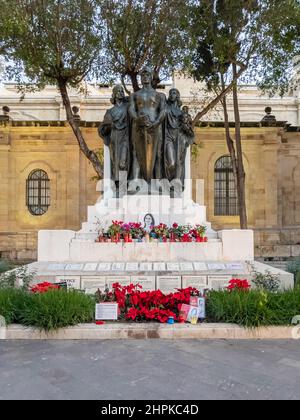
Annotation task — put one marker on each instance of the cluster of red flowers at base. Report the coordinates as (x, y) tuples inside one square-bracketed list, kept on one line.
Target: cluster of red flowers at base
[(151, 305), (237, 284), (44, 287)]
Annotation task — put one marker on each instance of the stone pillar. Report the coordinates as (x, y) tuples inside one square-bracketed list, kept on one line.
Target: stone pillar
[(270, 151)]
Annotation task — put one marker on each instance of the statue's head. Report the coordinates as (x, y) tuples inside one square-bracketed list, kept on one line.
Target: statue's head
[(117, 94), (146, 75), (174, 97)]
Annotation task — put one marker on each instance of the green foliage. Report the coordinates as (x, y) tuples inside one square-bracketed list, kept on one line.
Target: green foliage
[(22, 276), (266, 281), (294, 268), (147, 32), (52, 40), (5, 266), (253, 309), (12, 304), (260, 37), (57, 309), (46, 311)]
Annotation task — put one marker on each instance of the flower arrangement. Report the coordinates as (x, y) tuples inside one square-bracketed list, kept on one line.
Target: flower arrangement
[(137, 305), (44, 287), (114, 230), (160, 232), (176, 233), (133, 230), (236, 284)]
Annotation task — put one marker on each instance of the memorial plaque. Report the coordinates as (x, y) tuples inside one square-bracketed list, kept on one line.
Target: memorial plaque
[(104, 267), (74, 267), (56, 267), (198, 282), (91, 284), (216, 266), (122, 280), (200, 266), (186, 266), (218, 282), (159, 267), (73, 282), (168, 284), (146, 267), (132, 267), (235, 266), (107, 311), (90, 267), (173, 267), (148, 282), (118, 267)]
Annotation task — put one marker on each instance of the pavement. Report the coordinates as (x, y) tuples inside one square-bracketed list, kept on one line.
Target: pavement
[(150, 369)]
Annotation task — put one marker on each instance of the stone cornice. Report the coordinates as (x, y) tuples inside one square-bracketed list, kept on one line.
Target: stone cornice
[(202, 124)]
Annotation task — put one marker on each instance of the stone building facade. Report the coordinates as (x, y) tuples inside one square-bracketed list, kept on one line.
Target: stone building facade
[(36, 138)]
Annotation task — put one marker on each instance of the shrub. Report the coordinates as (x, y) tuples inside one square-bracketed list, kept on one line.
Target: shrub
[(266, 281), (253, 309), (294, 268), (22, 275), (5, 266), (12, 304), (57, 309)]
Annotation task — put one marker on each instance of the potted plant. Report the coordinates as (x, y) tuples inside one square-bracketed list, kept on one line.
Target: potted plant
[(161, 232), (114, 231), (136, 231), (199, 233), (176, 232), (187, 233)]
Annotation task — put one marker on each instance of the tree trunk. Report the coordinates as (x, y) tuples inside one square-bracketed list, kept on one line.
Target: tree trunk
[(241, 176), (229, 141), (218, 98), (133, 77), (90, 154)]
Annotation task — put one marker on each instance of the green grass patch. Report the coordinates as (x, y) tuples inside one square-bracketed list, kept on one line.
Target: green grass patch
[(48, 311), (253, 309)]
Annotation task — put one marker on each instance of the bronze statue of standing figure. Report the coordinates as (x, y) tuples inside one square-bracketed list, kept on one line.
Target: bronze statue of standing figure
[(147, 109), (115, 133), (179, 135)]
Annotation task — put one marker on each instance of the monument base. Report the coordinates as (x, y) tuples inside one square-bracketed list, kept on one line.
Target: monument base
[(75, 257), (162, 208)]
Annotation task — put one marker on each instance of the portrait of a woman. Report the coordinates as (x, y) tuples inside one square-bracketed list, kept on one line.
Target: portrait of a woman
[(149, 222)]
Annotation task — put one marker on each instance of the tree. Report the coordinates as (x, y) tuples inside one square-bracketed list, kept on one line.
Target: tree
[(54, 42), (140, 32), (238, 40)]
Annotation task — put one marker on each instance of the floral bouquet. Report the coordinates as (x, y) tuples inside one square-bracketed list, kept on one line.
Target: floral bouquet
[(176, 232), (198, 232), (114, 230), (161, 231)]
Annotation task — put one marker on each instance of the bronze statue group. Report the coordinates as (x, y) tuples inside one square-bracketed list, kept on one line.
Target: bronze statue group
[(147, 134)]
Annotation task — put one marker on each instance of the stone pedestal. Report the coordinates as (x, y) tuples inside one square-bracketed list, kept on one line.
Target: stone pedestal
[(134, 208)]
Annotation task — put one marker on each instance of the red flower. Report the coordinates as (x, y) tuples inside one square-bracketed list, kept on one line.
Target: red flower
[(236, 284), (44, 287)]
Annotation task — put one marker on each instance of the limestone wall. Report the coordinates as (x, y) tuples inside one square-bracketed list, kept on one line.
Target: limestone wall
[(272, 163)]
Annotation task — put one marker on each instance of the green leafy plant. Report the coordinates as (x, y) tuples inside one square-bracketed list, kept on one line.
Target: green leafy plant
[(266, 281), (12, 304), (294, 268), (255, 308), (5, 266), (22, 276), (57, 309)]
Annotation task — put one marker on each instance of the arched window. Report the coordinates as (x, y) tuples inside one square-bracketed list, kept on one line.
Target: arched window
[(226, 200), (38, 192)]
